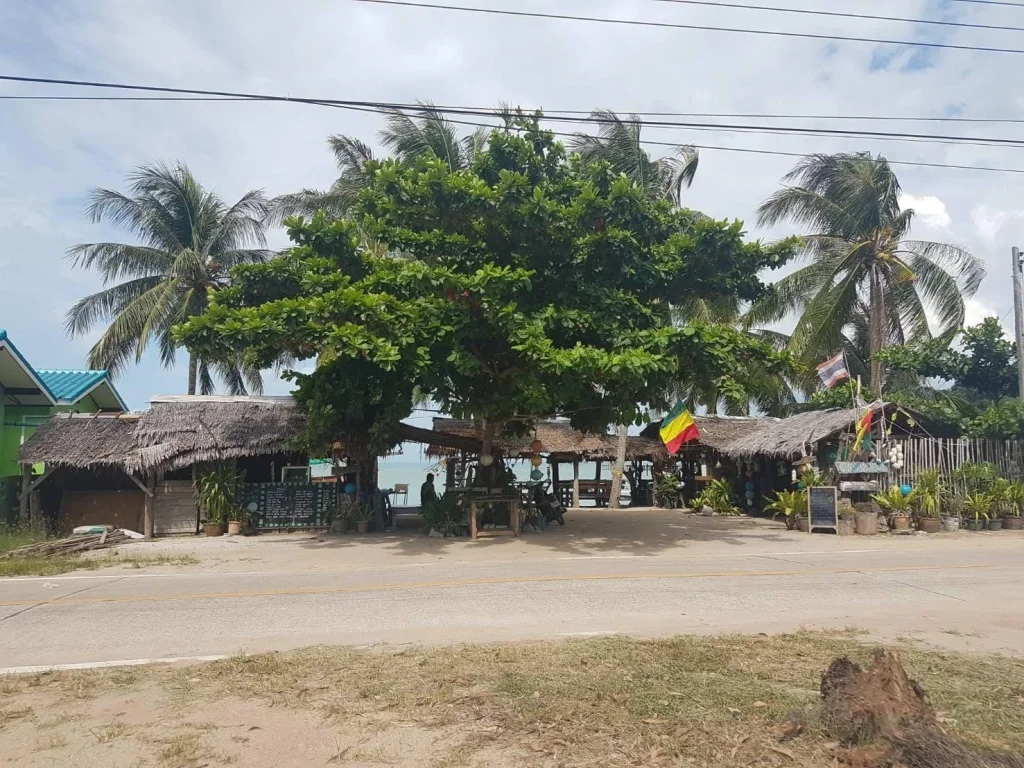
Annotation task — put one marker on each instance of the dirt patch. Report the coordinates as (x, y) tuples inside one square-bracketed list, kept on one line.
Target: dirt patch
[(604, 702)]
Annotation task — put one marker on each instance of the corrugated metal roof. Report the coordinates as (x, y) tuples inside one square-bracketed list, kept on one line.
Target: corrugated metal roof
[(70, 385)]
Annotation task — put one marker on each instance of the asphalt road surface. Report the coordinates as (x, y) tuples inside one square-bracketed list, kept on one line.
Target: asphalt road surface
[(955, 596)]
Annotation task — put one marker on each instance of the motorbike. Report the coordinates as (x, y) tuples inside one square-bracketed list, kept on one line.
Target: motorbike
[(548, 505)]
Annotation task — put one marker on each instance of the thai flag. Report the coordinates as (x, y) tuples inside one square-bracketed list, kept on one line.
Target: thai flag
[(831, 372)]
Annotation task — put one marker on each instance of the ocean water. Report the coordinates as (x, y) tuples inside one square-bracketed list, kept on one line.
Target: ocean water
[(411, 467)]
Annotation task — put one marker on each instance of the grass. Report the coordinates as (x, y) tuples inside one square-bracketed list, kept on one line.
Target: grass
[(598, 702), (12, 537)]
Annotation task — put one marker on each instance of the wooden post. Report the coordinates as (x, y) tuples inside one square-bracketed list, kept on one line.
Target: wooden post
[(576, 484), (472, 519), (148, 524), (449, 472), (26, 483)]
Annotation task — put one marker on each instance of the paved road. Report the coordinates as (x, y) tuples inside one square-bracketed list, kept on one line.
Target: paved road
[(957, 596)]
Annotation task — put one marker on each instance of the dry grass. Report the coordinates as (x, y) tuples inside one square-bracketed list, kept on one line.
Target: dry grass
[(57, 564), (10, 714), (111, 732), (602, 702), (616, 701)]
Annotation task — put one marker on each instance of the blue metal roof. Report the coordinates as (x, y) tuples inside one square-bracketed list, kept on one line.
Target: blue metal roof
[(70, 385)]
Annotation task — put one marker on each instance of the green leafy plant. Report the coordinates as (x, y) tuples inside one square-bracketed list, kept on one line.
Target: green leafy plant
[(978, 505), (362, 513), (444, 515), (668, 491), (1015, 498), (718, 496), (813, 478), (929, 493), (790, 504), (217, 492), (894, 502), (972, 477)]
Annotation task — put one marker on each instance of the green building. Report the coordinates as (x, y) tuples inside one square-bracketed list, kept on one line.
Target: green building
[(28, 397)]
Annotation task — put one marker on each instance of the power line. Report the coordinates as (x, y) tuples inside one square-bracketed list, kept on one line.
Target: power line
[(700, 27), (841, 15), (388, 108), (487, 112), (552, 113)]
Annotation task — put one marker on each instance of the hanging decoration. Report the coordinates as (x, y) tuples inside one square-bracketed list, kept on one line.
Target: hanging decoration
[(536, 460), (486, 460)]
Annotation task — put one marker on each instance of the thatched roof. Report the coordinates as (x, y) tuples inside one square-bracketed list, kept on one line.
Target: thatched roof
[(558, 439), (176, 432), (796, 435), (84, 441), (717, 431)]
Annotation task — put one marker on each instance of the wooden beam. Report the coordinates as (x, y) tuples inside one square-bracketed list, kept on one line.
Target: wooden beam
[(145, 488), (28, 484), (148, 523), (26, 488), (576, 484)]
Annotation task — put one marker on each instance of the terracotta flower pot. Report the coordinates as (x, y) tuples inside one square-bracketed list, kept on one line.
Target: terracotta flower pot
[(929, 524), (362, 526), (235, 527), (901, 522), (1013, 523), (213, 529)]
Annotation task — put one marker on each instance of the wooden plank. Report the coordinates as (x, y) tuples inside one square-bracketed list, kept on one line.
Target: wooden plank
[(147, 507)]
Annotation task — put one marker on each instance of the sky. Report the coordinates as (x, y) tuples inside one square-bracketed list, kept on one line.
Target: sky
[(53, 152)]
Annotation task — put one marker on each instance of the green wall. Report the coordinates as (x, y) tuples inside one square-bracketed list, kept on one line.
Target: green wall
[(20, 421)]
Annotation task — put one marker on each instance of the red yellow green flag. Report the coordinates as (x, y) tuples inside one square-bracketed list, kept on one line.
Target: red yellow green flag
[(678, 428)]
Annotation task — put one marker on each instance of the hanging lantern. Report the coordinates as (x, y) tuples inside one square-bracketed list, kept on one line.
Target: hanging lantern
[(536, 446), (486, 460), (536, 460)]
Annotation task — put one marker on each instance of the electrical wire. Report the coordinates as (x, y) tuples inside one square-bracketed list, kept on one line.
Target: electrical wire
[(389, 108), (698, 27), (840, 15), (551, 114)]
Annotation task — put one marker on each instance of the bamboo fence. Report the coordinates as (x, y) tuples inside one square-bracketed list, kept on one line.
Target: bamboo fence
[(946, 455)]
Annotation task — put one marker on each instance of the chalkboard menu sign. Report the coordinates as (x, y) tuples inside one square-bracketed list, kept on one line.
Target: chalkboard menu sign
[(823, 508), (289, 505)]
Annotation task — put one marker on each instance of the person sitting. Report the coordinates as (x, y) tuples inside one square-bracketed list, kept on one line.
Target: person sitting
[(427, 493)]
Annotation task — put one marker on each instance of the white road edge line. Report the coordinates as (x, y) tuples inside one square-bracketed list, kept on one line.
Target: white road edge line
[(105, 664)]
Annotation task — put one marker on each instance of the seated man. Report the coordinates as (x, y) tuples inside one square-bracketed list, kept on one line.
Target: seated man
[(427, 492)]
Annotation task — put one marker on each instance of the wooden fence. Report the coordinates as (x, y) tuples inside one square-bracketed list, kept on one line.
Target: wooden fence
[(946, 455)]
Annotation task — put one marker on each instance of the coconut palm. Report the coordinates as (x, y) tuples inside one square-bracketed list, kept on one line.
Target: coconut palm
[(189, 242), (864, 275), (408, 137), (618, 143)]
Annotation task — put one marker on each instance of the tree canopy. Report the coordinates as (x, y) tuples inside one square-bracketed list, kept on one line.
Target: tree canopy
[(189, 241), (529, 285)]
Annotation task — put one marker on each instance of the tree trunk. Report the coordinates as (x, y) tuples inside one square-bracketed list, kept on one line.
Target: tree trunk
[(193, 373), (490, 431), (619, 468), (876, 330)]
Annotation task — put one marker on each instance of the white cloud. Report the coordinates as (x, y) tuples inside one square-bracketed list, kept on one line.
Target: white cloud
[(930, 210)]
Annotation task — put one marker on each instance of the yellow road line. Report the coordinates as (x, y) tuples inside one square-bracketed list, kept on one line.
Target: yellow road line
[(486, 582)]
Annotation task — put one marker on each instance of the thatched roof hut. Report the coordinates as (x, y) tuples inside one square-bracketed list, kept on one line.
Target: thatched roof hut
[(85, 441), (560, 442), (176, 432), (799, 435), (716, 431)]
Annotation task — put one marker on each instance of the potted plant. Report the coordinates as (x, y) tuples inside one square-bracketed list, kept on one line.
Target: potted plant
[(976, 507), (668, 492), (897, 505), (342, 515), (1012, 520), (216, 491), (238, 519), (791, 504), (363, 516), (718, 498), (929, 494), (444, 516)]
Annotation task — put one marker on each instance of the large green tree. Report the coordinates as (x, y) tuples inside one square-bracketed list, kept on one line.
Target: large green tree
[(866, 284), (189, 240), (532, 284)]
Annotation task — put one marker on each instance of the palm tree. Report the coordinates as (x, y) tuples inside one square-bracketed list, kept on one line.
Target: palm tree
[(618, 143), (408, 137), (190, 240), (865, 277)]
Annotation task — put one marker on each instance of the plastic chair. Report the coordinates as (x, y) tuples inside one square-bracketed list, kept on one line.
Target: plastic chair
[(402, 489)]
